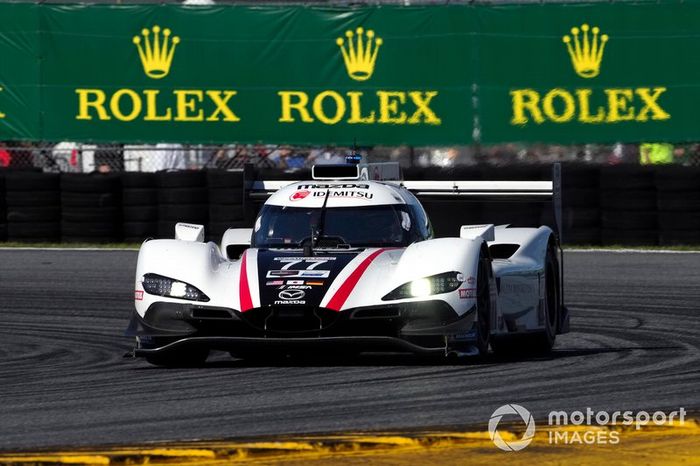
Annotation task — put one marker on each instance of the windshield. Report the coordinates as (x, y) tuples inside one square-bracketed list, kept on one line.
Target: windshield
[(383, 225)]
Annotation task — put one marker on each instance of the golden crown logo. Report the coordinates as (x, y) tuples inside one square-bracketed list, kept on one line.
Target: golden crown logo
[(156, 54), (361, 55), (586, 53)]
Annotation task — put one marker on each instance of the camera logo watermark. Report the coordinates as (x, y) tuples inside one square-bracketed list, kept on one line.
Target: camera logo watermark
[(511, 445), (592, 423)]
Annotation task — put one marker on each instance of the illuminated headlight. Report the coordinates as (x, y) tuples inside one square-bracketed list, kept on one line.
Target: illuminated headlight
[(436, 284), (164, 286)]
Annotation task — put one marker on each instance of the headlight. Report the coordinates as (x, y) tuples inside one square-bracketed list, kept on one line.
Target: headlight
[(436, 284), (164, 286)]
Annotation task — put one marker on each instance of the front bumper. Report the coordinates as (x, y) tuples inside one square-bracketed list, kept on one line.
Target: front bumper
[(411, 327)]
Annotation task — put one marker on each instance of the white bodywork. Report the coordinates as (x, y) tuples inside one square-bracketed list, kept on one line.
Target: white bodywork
[(517, 301)]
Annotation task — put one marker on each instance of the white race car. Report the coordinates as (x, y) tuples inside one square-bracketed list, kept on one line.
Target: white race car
[(345, 264)]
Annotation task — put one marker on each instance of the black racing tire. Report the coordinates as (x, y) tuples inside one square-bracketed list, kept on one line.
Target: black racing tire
[(33, 198), (581, 217), (219, 228), (32, 181), (90, 183), (139, 196), (140, 213), (629, 237), (33, 214), (191, 213), (181, 357), (35, 231), (226, 196), (90, 199), (581, 236), (679, 221), (138, 180), (679, 237), (140, 229), (181, 179), (91, 214), (580, 176), (225, 179), (580, 197), (91, 229), (183, 196), (540, 342), (225, 213), (627, 177), (639, 200), (629, 220), (677, 201), (676, 179), (483, 303)]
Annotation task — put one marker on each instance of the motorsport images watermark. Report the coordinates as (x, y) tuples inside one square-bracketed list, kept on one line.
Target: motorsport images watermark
[(589, 417)]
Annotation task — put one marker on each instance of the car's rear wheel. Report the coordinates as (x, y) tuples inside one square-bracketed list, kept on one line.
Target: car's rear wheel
[(544, 341), (483, 305), (541, 341)]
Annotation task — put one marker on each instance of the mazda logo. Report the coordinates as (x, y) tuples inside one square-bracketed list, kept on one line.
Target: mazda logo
[(292, 295)]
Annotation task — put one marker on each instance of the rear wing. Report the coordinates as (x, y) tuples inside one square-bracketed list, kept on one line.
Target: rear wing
[(497, 191), (488, 191)]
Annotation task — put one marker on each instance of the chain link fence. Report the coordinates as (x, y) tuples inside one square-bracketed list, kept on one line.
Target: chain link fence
[(71, 157)]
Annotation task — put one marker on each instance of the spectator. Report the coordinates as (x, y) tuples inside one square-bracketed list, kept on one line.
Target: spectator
[(5, 157), (657, 153)]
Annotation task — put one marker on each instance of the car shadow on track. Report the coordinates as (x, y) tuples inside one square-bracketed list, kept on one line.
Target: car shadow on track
[(221, 360)]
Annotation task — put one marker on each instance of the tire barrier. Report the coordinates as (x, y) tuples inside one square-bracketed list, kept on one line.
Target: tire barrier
[(678, 202), (182, 197), (226, 202), (91, 208), (619, 205), (139, 206), (33, 206), (3, 210)]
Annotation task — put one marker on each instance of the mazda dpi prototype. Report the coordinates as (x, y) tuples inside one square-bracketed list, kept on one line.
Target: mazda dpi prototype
[(342, 264)]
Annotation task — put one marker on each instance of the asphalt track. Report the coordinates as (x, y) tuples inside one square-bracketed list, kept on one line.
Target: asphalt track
[(63, 382)]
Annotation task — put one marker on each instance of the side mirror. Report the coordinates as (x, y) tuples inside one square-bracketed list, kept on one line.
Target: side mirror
[(473, 231), (189, 232), (235, 241)]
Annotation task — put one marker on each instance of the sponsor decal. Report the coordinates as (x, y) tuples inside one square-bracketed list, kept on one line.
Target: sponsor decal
[(353, 194), (314, 273), (138, 295), (298, 287), (292, 295), (275, 283), (291, 261), (299, 195), (471, 280), (315, 283), (334, 186), (295, 282), (467, 293), (291, 302), (281, 273), (298, 273), (585, 47)]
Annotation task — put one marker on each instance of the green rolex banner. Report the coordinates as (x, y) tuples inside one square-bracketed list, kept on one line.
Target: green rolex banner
[(296, 75), (587, 73), (431, 75)]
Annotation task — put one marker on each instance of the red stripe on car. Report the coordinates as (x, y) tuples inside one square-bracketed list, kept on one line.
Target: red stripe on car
[(346, 288), (244, 289)]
